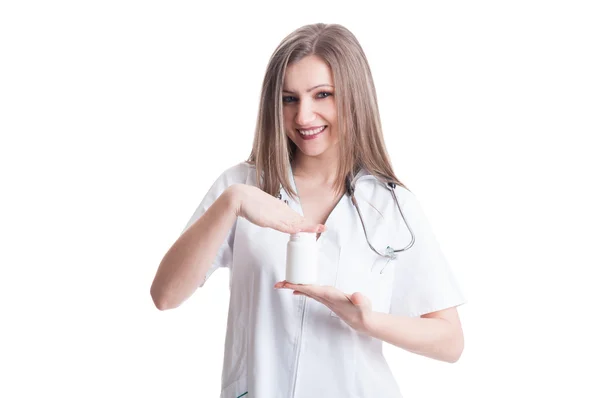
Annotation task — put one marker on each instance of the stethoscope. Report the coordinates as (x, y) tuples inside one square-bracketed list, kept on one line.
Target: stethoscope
[(390, 252)]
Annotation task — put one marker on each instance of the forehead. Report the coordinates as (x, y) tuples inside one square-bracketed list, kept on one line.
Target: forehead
[(308, 72)]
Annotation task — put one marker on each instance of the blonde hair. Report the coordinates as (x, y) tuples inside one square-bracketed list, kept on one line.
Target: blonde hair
[(361, 143)]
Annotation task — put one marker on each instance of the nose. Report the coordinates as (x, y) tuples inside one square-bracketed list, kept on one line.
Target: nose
[(305, 114)]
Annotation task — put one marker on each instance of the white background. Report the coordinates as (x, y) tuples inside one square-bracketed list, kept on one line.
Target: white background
[(117, 116)]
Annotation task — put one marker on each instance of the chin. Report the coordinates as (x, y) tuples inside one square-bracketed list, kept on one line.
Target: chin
[(313, 148), (312, 152)]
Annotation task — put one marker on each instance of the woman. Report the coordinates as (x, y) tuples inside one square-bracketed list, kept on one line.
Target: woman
[(318, 137)]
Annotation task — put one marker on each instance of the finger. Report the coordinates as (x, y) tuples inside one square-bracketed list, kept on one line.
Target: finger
[(316, 298), (286, 228), (312, 228), (288, 285), (298, 225), (307, 289), (327, 295), (279, 285)]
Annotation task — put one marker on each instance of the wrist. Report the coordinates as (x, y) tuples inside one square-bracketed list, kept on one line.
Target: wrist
[(370, 322), (233, 197)]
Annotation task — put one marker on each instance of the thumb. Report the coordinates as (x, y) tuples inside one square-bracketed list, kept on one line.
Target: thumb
[(360, 300)]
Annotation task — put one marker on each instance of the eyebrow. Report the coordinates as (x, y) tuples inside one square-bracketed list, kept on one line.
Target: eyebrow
[(310, 89)]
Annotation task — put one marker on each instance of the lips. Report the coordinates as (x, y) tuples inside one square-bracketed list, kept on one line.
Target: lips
[(312, 133)]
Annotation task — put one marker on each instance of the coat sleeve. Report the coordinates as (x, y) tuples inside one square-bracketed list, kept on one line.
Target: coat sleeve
[(224, 257), (423, 279)]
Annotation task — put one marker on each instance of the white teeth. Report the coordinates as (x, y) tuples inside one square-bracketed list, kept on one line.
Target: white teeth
[(312, 132)]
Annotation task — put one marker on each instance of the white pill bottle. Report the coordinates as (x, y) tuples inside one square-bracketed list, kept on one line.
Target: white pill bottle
[(301, 262)]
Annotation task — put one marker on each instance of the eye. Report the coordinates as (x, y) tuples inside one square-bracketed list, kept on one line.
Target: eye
[(289, 99), (324, 94)]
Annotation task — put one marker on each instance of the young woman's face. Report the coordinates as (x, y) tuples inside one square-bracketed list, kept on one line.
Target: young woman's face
[(309, 110)]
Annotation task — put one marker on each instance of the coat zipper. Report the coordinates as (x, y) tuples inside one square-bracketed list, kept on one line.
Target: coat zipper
[(299, 347)]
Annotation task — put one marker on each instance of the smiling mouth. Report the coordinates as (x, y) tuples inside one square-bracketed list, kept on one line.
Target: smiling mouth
[(311, 133)]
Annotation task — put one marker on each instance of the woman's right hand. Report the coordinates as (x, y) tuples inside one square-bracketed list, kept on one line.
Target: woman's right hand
[(264, 210)]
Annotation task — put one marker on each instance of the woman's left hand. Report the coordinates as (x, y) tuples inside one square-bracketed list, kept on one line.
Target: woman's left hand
[(354, 309)]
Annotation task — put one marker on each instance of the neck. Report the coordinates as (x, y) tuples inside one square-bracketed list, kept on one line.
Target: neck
[(322, 168)]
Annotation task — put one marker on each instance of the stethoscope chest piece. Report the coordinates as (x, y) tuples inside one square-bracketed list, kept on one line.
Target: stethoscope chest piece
[(390, 253)]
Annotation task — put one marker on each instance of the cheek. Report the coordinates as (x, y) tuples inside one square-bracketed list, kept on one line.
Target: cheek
[(288, 123), (288, 118), (330, 113)]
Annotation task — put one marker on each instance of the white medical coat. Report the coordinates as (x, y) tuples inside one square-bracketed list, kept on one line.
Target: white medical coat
[(281, 345)]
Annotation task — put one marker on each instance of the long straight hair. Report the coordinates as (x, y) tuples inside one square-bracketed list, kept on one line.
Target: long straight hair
[(361, 143)]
